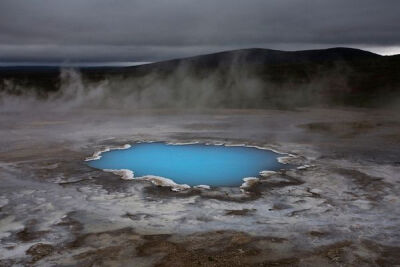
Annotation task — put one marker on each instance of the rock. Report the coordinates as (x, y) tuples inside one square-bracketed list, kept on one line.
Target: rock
[(39, 251)]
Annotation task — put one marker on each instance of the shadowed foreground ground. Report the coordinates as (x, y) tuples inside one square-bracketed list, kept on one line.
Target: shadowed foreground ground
[(341, 209)]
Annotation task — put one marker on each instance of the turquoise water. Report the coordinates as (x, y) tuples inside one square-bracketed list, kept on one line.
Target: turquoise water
[(195, 164)]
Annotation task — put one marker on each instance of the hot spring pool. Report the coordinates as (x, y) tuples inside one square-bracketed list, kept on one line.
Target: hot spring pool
[(194, 164)]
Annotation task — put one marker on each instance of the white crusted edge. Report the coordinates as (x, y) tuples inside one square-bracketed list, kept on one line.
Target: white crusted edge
[(162, 181), (267, 173), (202, 186), (248, 182), (97, 155), (157, 180), (124, 173)]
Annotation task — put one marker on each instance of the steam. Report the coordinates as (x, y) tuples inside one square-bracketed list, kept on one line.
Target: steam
[(181, 89), (228, 86)]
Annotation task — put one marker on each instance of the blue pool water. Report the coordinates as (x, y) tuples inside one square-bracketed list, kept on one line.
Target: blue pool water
[(194, 164)]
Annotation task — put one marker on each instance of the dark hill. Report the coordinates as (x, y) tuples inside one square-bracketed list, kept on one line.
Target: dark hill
[(336, 76), (265, 57)]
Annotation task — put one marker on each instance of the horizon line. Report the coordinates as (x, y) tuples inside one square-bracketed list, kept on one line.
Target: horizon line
[(128, 63)]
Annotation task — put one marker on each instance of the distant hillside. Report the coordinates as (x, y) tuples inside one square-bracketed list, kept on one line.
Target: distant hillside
[(336, 76)]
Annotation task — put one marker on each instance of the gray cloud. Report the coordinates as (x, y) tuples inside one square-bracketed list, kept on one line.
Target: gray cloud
[(143, 30)]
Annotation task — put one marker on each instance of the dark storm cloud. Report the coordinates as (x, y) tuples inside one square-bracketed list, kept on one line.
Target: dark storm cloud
[(145, 30)]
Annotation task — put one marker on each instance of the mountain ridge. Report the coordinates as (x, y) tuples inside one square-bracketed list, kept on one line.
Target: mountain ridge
[(334, 76)]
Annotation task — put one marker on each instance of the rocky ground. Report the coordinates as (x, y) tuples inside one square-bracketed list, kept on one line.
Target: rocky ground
[(342, 208)]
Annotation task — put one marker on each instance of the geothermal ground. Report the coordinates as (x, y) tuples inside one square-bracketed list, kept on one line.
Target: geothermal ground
[(340, 208)]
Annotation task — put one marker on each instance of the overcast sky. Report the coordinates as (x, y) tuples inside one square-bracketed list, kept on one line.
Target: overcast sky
[(152, 30)]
